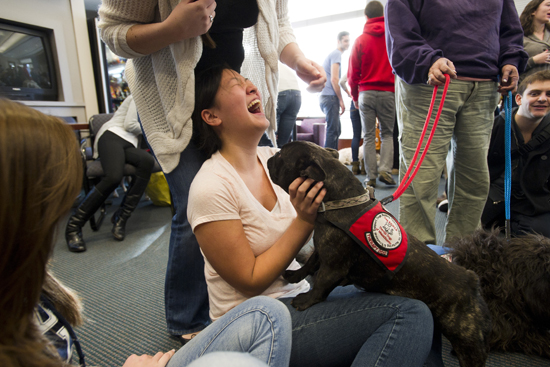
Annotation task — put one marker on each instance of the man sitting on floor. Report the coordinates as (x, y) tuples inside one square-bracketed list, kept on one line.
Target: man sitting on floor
[(530, 147)]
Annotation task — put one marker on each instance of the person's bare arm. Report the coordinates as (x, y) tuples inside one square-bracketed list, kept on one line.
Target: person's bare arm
[(189, 19), (309, 71), (334, 72), (227, 249)]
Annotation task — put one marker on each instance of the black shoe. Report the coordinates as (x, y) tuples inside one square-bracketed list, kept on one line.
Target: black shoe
[(119, 225), (75, 242), (73, 231), (129, 204), (443, 206)]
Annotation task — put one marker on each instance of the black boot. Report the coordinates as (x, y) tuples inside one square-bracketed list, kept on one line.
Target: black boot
[(73, 232), (129, 203)]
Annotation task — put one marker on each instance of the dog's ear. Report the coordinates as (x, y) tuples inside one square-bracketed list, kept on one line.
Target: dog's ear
[(333, 152), (314, 171)]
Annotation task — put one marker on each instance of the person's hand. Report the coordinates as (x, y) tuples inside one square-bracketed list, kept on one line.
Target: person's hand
[(508, 80), (191, 18), (311, 73), (158, 360), (440, 67), (306, 202), (542, 58), (342, 107), (356, 103), (348, 93)]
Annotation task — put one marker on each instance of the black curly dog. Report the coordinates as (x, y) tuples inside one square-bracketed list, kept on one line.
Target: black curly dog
[(515, 281), (451, 292)]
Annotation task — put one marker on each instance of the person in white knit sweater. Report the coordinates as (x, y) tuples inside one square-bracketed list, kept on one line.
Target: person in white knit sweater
[(162, 39)]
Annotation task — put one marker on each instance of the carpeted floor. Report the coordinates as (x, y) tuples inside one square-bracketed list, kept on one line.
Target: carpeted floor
[(122, 285)]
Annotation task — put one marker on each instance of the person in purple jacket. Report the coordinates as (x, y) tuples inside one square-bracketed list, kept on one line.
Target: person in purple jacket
[(480, 46)]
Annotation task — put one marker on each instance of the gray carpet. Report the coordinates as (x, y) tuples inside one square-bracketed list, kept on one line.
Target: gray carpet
[(122, 285)]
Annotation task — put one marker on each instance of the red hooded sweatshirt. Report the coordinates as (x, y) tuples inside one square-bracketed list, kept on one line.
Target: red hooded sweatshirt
[(369, 66)]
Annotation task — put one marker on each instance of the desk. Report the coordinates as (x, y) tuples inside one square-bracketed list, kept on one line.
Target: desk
[(77, 126)]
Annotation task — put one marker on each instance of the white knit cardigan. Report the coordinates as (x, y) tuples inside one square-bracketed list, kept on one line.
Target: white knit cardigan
[(163, 83)]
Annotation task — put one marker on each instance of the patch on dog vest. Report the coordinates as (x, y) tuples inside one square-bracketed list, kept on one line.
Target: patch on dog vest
[(380, 235)]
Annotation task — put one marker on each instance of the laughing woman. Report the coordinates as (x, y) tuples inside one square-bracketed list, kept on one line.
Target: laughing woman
[(250, 230)]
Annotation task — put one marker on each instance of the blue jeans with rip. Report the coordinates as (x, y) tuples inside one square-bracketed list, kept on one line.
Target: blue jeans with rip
[(355, 328), (259, 327), (330, 105), (288, 105)]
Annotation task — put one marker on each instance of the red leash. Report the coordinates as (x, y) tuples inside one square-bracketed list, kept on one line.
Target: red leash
[(407, 179)]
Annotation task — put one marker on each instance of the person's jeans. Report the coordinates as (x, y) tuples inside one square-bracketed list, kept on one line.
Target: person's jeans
[(462, 137), (227, 359), (186, 296), (355, 328), (330, 105), (260, 326), (381, 104), (356, 125), (288, 106)]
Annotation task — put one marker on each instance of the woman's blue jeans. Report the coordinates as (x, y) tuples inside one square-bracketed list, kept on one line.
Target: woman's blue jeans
[(288, 105), (330, 105), (355, 328), (259, 326), (186, 296)]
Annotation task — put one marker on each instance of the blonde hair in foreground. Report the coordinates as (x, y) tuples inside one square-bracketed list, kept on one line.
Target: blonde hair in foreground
[(40, 177)]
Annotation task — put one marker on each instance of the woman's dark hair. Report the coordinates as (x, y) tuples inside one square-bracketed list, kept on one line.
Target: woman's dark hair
[(207, 83), (526, 17)]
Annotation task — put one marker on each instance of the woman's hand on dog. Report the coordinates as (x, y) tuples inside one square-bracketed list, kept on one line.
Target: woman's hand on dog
[(306, 196), (158, 360)]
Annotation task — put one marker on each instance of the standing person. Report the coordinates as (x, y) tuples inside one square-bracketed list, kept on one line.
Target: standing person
[(117, 143), (330, 100), (355, 117), (162, 39), (372, 87), (427, 39), (530, 147), (289, 102), (536, 30), (39, 313), (250, 231)]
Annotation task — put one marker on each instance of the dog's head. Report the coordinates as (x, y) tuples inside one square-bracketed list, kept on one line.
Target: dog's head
[(300, 159)]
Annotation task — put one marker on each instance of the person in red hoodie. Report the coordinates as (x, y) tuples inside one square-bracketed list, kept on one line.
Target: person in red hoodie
[(372, 89)]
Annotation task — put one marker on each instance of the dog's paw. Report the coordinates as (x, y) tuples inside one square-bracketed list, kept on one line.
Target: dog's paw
[(302, 301), (293, 276)]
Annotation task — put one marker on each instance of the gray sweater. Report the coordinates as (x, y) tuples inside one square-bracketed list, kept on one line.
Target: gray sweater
[(534, 46)]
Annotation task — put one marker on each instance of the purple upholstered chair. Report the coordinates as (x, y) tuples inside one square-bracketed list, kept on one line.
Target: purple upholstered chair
[(312, 129)]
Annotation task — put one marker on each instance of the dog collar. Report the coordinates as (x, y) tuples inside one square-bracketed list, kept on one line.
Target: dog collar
[(344, 203)]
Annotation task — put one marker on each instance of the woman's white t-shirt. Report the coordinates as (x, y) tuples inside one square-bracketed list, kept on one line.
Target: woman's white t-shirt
[(218, 193)]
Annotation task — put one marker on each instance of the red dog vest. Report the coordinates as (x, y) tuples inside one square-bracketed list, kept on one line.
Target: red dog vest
[(380, 235)]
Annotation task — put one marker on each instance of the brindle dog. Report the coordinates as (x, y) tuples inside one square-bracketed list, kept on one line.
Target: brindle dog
[(451, 292)]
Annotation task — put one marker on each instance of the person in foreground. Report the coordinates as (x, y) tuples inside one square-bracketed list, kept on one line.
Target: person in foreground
[(530, 147), (250, 231), (40, 177)]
